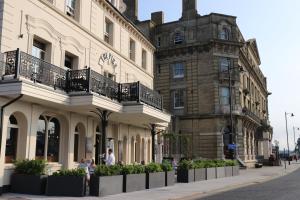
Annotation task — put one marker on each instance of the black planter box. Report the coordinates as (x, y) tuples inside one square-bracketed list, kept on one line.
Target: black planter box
[(134, 182), (211, 173), (155, 180), (72, 186), (28, 184), (200, 174), (170, 178), (185, 176), (235, 170), (106, 185), (228, 171)]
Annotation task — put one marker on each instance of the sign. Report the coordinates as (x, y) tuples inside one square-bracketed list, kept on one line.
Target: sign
[(231, 146), (108, 58)]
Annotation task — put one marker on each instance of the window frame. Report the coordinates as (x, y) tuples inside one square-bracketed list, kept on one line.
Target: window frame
[(144, 59), (132, 52), (224, 33), (175, 70), (108, 31), (224, 98), (222, 61), (181, 95), (178, 38)]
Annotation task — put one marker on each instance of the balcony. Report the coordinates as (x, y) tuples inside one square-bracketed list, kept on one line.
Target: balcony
[(17, 65), (251, 115)]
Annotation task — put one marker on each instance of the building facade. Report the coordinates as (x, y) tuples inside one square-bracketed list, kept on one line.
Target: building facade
[(76, 78), (204, 65)]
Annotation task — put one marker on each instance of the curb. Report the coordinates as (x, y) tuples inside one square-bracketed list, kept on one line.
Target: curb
[(236, 186)]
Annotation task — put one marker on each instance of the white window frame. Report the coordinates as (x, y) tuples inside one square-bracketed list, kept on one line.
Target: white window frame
[(144, 59), (180, 94), (70, 7), (110, 32), (175, 74), (132, 52)]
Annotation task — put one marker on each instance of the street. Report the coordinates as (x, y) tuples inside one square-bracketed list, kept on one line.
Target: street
[(284, 188)]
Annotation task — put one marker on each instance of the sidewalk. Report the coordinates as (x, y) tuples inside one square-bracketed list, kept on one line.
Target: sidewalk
[(188, 191)]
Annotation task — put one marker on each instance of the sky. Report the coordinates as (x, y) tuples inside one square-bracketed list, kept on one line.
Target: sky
[(276, 27)]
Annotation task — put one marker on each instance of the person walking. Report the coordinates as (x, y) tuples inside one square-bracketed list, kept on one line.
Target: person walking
[(111, 160)]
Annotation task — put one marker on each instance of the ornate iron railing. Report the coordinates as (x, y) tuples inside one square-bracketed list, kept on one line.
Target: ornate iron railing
[(41, 71), (18, 64), (104, 86), (252, 115)]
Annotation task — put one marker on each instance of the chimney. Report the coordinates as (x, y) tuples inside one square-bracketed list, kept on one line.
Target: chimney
[(158, 17), (131, 11), (189, 9)]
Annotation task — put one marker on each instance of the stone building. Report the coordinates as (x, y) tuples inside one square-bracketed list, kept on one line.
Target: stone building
[(76, 78), (196, 58)]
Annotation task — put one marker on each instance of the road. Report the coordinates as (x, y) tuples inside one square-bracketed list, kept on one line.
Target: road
[(284, 188)]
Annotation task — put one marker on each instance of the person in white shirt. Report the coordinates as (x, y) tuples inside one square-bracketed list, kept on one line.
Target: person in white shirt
[(111, 160)]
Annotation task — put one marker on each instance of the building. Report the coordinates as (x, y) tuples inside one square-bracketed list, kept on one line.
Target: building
[(76, 78), (204, 65)]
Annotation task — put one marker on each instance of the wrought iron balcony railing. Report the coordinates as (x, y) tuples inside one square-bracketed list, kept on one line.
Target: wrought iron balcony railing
[(252, 115), (15, 64)]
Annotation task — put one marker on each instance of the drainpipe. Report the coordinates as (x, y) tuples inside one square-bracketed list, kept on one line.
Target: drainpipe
[(1, 117)]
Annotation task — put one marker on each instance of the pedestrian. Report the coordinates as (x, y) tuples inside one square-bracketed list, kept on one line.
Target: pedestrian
[(83, 165), (92, 167), (111, 160)]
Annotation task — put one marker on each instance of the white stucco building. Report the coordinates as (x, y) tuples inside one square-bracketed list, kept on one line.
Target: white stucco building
[(70, 71)]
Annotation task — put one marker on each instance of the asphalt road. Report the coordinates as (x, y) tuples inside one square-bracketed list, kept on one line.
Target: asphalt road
[(284, 188)]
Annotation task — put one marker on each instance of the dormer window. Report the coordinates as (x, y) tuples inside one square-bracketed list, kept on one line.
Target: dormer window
[(178, 38), (224, 34)]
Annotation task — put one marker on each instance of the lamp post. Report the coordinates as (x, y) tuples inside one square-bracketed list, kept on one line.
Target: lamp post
[(287, 132)]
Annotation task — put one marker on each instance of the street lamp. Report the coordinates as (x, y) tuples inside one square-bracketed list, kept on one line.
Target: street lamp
[(287, 133)]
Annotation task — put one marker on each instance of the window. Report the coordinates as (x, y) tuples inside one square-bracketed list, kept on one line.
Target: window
[(178, 70), (224, 96), (38, 49), (178, 99), (132, 50), (11, 140), (224, 34), (224, 64), (48, 132), (108, 34), (144, 59), (158, 41), (178, 38), (158, 69), (70, 7), (110, 76), (71, 61)]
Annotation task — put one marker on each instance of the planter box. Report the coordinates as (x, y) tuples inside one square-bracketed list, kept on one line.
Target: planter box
[(200, 174), (210, 173), (155, 180), (235, 170), (73, 186), (106, 185), (220, 172), (28, 184), (228, 171), (134, 182), (170, 178), (185, 176)]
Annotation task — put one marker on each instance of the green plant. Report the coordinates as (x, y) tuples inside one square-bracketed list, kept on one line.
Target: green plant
[(104, 170), (166, 166), (185, 165), (153, 167), (220, 163), (209, 164), (133, 169), (231, 163), (199, 164), (70, 172), (30, 167)]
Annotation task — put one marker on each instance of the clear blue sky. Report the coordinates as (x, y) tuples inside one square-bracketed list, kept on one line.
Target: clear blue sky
[(276, 26)]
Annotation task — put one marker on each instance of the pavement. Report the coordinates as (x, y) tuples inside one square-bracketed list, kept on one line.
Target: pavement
[(190, 191)]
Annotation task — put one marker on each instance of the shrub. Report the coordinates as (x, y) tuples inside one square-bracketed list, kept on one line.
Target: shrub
[(186, 165), (30, 167), (133, 169), (209, 164), (220, 163), (104, 170), (199, 164), (153, 167), (70, 172), (231, 163), (166, 166)]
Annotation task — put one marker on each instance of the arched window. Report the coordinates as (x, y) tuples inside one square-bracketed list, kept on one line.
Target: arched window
[(48, 139), (79, 142), (12, 140), (224, 34)]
